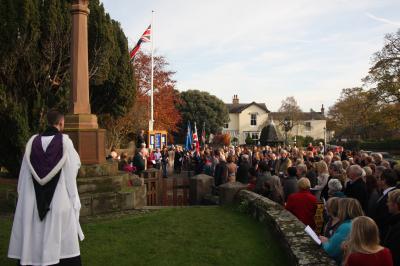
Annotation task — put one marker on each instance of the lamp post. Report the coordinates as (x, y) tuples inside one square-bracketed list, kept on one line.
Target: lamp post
[(324, 140), (287, 126)]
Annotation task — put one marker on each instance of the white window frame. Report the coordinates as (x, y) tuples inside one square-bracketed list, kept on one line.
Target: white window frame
[(251, 134), (306, 127), (255, 120)]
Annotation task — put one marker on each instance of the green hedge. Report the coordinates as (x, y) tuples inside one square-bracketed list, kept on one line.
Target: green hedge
[(389, 144), (377, 145)]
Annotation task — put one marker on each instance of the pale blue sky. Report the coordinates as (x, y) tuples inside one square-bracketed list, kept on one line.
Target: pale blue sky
[(264, 50)]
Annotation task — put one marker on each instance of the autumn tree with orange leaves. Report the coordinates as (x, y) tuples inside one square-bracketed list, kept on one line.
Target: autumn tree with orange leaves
[(121, 130), (166, 97)]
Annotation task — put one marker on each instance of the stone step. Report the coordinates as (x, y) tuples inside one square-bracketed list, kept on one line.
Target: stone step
[(210, 199), (107, 202), (102, 184), (109, 168)]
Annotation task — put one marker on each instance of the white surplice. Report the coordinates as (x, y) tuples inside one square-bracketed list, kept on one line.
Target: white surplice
[(45, 242)]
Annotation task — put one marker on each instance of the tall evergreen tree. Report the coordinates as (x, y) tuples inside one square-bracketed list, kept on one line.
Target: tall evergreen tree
[(34, 71)]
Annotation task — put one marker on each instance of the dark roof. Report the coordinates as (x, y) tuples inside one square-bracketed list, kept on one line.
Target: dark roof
[(303, 116), (272, 135), (239, 107)]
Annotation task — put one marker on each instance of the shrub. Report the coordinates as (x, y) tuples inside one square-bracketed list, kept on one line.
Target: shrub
[(388, 144), (249, 140), (222, 140), (307, 140)]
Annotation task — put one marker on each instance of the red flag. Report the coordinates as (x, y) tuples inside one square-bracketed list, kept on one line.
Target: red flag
[(145, 38), (195, 138)]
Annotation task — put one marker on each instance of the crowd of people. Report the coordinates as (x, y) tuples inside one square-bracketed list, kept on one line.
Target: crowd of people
[(360, 191)]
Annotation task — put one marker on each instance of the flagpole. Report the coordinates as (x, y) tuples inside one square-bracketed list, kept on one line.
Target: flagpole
[(151, 122), (204, 130)]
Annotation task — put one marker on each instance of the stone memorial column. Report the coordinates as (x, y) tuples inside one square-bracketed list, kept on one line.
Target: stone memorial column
[(80, 124)]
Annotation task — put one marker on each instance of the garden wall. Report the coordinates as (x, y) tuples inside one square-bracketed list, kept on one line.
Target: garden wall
[(302, 250)]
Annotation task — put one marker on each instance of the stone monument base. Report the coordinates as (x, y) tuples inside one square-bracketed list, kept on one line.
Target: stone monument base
[(88, 139), (89, 143), (81, 121), (104, 189)]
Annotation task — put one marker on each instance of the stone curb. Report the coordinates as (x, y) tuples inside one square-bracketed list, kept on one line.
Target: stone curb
[(302, 250)]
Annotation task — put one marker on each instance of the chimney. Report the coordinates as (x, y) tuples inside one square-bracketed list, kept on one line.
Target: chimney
[(322, 110), (235, 99)]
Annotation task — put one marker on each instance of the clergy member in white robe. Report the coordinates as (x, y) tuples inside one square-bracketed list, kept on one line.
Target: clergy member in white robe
[(46, 229)]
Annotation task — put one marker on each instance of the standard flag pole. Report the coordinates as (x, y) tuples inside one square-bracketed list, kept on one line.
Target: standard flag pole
[(151, 122), (203, 134)]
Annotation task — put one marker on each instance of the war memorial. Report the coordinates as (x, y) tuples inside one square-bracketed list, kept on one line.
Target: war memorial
[(115, 166)]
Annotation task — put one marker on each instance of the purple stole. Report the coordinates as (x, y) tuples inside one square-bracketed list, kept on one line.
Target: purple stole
[(43, 162)]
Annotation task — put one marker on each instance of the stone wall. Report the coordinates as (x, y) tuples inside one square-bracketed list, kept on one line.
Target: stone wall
[(199, 187), (302, 250), (104, 189)]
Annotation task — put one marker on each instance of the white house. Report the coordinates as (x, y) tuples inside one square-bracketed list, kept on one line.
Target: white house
[(245, 119), (249, 119), (311, 124)]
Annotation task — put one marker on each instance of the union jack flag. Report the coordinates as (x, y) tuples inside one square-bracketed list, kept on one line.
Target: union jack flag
[(196, 138), (145, 38)]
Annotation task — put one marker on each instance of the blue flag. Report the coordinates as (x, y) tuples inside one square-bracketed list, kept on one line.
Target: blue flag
[(188, 145)]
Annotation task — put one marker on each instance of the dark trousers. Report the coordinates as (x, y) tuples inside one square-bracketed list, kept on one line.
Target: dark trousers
[(75, 261), (178, 168), (164, 169)]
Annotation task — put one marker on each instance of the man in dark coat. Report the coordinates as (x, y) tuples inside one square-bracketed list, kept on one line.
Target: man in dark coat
[(221, 171), (283, 164), (243, 170), (138, 162), (271, 163), (290, 183), (178, 160), (356, 187), (387, 183), (140, 139), (263, 177)]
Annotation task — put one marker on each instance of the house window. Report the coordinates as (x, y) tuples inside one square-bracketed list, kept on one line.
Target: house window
[(253, 120), (254, 136), (307, 126), (226, 125)]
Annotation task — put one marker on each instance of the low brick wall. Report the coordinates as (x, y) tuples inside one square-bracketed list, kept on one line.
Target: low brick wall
[(301, 249)]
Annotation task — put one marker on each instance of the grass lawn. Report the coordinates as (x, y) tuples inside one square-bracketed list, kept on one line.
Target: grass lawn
[(6, 206), (184, 236), (5, 186)]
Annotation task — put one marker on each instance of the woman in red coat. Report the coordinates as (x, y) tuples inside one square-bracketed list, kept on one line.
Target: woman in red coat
[(303, 204)]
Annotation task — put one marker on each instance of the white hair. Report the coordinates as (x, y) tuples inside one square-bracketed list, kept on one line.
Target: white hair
[(334, 185), (302, 167), (377, 154), (356, 170), (245, 156)]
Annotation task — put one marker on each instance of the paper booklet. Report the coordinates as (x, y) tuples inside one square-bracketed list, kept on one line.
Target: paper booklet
[(312, 234)]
